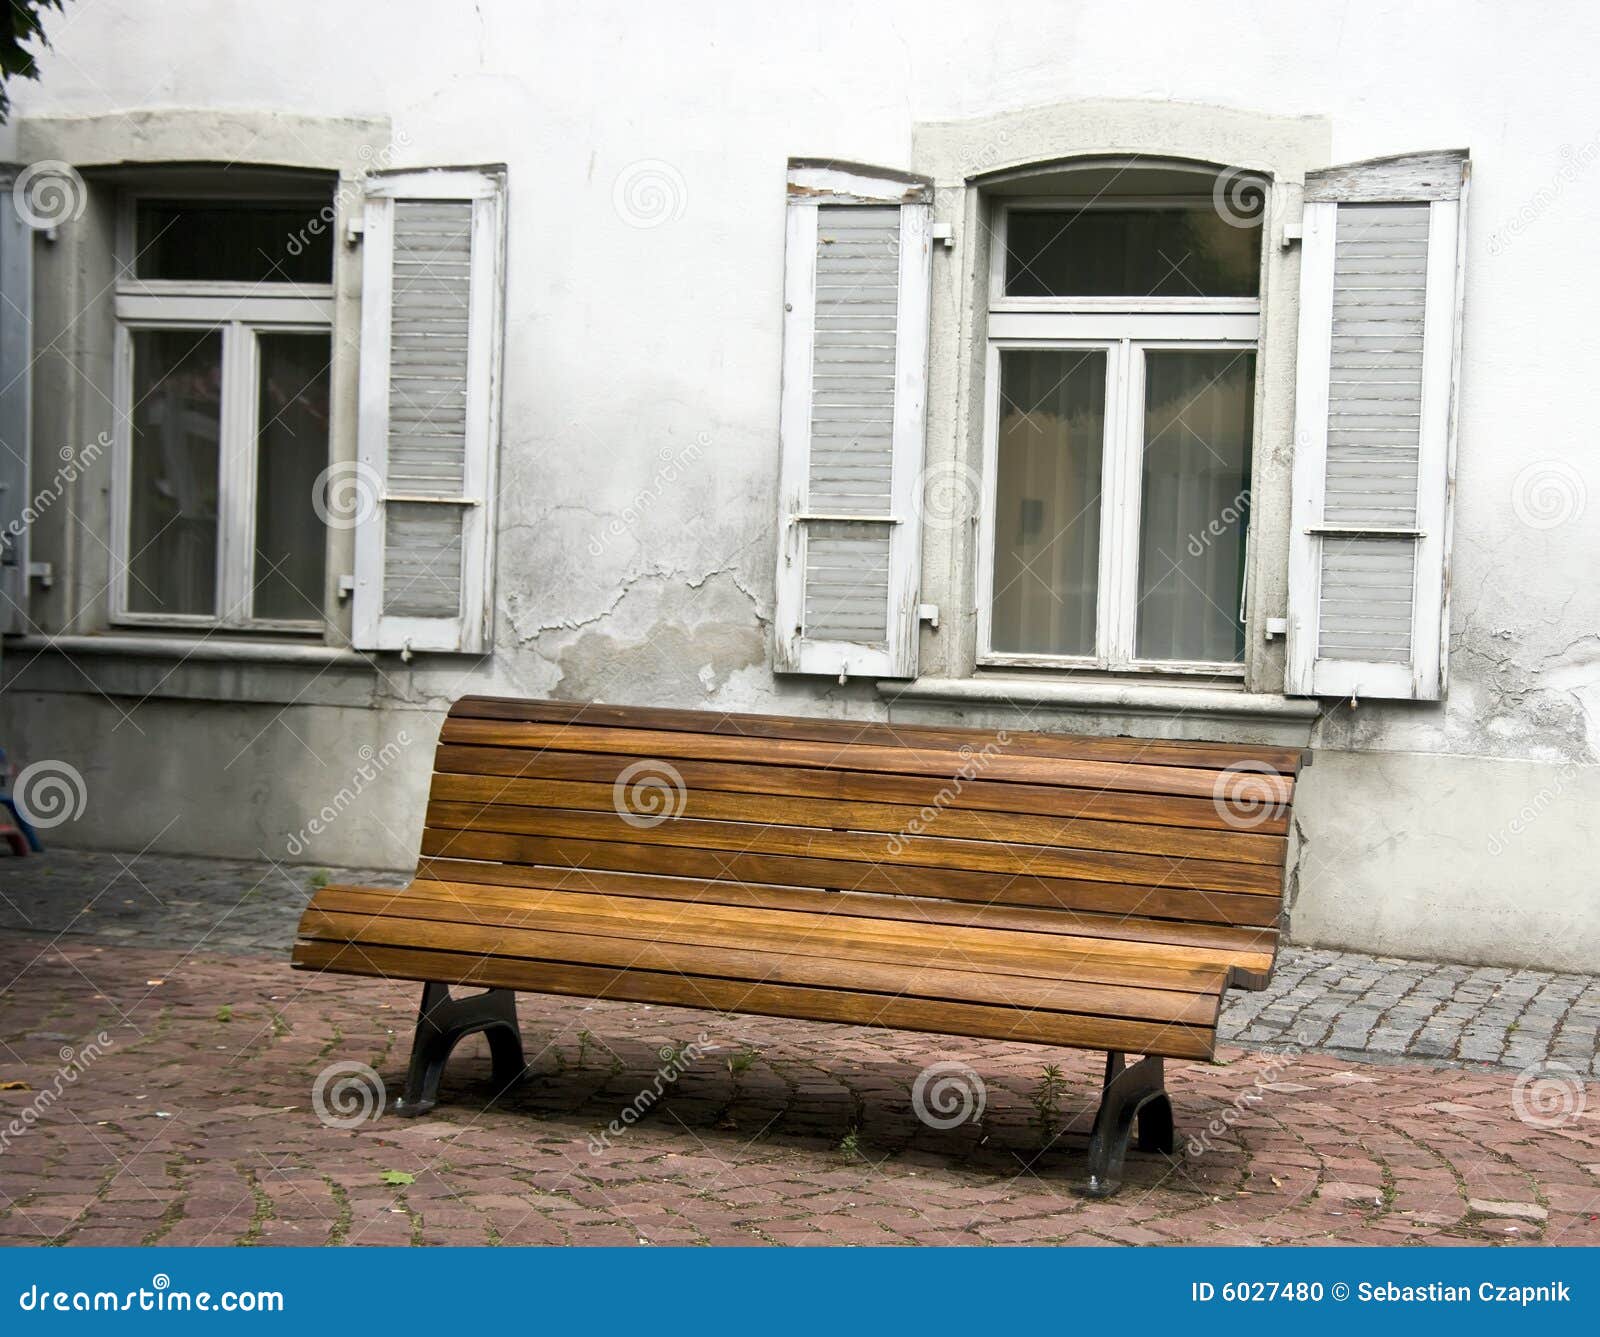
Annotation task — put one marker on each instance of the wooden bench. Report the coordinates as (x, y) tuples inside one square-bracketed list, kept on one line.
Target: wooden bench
[(1098, 893)]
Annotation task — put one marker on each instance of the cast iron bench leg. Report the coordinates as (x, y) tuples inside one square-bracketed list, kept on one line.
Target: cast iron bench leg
[(1128, 1094), (441, 1022)]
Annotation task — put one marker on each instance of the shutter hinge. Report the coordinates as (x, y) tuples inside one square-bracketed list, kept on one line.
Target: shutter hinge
[(355, 229), (347, 586), (1277, 626), (944, 232), (1291, 234), (43, 572), (928, 613)]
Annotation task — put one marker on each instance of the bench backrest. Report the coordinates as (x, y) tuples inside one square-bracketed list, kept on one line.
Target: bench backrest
[(1122, 833)]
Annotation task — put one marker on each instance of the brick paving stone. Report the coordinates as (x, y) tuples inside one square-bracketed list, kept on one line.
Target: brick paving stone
[(1275, 1146)]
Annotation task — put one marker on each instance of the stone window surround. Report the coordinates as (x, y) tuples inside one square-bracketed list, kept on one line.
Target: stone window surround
[(77, 264), (963, 158)]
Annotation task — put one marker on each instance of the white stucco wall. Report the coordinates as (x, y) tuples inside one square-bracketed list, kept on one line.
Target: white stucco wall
[(627, 345)]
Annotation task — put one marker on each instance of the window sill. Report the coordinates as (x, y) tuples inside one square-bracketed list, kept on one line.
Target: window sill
[(1121, 697), (198, 647)]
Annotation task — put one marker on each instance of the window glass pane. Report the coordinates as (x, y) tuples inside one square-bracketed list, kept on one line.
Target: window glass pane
[(241, 241), (177, 413), (1179, 251), (1047, 500), (291, 453), (1196, 504)]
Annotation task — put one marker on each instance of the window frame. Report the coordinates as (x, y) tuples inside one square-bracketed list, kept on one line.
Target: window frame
[(240, 313), (1126, 328)]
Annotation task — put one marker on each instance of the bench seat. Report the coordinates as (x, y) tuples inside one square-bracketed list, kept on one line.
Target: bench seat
[(1083, 892)]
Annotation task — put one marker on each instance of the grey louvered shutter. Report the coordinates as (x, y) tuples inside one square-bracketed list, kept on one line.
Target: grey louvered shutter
[(856, 290), (429, 409), (1380, 301), (16, 359)]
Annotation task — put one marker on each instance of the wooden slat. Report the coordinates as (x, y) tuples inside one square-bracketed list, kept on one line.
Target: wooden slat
[(1238, 787), (977, 795), (1152, 752), (901, 851), (1215, 907), (994, 952), (1255, 946), (787, 810), (864, 1009), (760, 966)]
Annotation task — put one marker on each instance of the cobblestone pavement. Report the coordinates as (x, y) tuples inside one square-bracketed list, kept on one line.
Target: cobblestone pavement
[(1354, 1006), (153, 1095)]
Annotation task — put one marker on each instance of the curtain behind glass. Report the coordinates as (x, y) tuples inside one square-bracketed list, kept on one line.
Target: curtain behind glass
[(172, 519), (1047, 501), (1196, 500)]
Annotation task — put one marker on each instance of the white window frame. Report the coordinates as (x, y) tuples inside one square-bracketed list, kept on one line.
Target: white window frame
[(241, 312), (1125, 328)]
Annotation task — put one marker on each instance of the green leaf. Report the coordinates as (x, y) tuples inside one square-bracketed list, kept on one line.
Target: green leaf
[(225, 1012), (398, 1177)]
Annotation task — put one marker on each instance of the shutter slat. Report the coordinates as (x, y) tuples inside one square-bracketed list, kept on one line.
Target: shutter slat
[(427, 392), (1361, 407)]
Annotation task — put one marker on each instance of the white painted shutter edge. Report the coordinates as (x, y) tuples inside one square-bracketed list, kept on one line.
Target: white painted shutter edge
[(471, 630), (1440, 180), (16, 409), (812, 184)]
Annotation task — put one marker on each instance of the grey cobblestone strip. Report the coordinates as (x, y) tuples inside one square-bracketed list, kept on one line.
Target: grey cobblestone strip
[(1362, 1006), (212, 905)]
